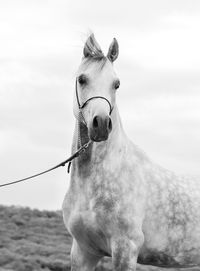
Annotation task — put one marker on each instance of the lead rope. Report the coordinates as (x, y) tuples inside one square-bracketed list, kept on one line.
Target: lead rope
[(77, 153), (62, 164)]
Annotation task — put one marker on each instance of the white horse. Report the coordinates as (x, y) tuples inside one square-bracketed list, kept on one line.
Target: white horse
[(119, 203)]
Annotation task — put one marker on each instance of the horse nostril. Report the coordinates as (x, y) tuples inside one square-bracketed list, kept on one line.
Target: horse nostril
[(110, 124), (95, 122)]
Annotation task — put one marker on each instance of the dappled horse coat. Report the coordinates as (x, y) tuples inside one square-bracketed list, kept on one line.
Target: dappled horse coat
[(119, 203)]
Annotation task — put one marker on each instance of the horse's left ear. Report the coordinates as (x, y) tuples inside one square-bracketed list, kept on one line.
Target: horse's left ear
[(113, 50)]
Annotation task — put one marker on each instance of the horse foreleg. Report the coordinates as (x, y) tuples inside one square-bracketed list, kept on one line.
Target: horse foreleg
[(81, 259), (124, 255)]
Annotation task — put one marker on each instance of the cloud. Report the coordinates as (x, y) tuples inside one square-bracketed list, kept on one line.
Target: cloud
[(131, 14), (160, 113)]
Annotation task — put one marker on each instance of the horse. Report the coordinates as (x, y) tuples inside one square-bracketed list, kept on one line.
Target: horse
[(119, 203)]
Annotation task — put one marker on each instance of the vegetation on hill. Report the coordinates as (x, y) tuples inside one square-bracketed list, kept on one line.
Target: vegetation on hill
[(33, 240)]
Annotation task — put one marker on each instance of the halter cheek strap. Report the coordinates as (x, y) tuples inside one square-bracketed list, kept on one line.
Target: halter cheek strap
[(92, 98)]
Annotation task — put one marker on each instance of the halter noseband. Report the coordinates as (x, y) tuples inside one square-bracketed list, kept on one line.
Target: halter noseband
[(94, 97)]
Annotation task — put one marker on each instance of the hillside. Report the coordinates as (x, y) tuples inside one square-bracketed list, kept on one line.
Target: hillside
[(33, 240)]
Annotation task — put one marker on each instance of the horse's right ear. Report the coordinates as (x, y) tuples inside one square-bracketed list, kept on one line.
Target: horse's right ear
[(91, 47), (87, 48), (113, 51)]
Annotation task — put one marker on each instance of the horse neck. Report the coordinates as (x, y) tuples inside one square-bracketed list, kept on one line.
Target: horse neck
[(97, 151)]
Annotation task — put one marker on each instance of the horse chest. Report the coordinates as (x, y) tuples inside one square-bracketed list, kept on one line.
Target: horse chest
[(105, 203), (108, 189), (85, 229)]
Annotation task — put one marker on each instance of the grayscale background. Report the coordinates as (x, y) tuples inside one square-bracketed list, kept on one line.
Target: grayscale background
[(41, 46)]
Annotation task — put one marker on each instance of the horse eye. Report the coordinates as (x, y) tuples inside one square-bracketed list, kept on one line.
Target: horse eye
[(82, 79), (116, 84)]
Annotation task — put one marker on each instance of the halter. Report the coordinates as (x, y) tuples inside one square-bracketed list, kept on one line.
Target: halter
[(87, 101)]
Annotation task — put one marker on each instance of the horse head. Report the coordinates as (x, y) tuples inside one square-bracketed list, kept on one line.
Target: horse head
[(96, 85)]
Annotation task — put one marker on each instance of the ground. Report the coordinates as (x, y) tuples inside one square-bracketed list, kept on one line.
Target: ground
[(33, 240)]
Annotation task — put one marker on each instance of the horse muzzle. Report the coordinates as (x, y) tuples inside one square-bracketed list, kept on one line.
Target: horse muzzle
[(100, 128)]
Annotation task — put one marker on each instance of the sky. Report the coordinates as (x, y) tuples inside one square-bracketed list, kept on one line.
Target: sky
[(41, 45)]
